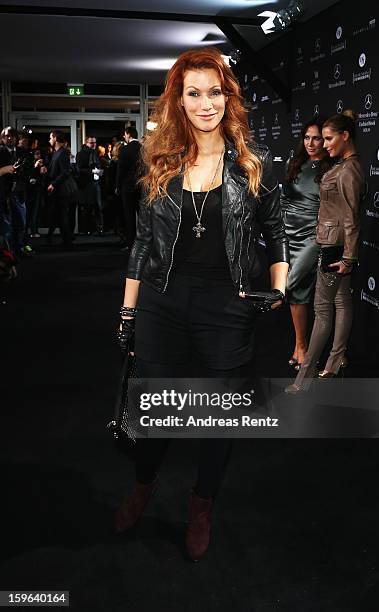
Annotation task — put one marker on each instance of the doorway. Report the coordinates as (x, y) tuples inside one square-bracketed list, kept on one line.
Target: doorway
[(77, 124)]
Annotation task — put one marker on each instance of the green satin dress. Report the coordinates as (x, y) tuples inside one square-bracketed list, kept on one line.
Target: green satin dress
[(300, 203)]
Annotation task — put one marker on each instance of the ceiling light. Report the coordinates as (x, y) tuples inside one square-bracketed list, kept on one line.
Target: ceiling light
[(235, 57), (227, 59), (151, 63), (276, 22)]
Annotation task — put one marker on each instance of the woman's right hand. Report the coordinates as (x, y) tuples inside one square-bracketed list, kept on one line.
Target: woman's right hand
[(125, 334)]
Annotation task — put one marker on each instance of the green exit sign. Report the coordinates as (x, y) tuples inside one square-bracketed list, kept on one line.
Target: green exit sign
[(75, 90)]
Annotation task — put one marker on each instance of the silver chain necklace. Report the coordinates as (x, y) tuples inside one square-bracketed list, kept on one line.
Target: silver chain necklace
[(198, 228)]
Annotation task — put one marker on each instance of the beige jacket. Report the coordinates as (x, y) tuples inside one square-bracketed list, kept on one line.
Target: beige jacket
[(341, 191)]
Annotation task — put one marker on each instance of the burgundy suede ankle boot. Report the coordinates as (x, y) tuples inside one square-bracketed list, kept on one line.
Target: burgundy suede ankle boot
[(197, 536), (131, 509)]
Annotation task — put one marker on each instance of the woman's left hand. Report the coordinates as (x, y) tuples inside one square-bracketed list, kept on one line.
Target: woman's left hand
[(280, 301), (340, 267), (265, 304)]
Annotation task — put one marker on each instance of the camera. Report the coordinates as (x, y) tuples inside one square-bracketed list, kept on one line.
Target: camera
[(19, 165)]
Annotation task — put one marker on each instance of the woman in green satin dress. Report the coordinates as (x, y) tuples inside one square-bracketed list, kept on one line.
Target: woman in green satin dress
[(300, 201)]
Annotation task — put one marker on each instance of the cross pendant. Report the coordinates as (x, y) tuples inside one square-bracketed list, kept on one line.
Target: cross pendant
[(198, 229)]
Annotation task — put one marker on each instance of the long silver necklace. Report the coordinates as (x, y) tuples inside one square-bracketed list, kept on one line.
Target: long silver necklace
[(199, 229)]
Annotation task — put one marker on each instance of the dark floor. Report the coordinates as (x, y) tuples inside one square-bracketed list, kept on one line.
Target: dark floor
[(294, 527)]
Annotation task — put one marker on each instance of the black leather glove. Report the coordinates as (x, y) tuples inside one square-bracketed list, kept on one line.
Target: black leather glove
[(263, 300), (125, 335)]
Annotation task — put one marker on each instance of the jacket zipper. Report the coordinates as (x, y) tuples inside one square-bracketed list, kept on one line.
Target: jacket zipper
[(239, 258), (248, 246), (175, 241)]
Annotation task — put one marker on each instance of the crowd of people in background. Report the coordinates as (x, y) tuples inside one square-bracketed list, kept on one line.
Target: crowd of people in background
[(94, 192)]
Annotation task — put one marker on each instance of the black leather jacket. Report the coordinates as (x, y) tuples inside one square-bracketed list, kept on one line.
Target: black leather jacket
[(244, 216)]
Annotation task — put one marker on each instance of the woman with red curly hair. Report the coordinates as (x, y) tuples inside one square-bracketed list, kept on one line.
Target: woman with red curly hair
[(206, 188)]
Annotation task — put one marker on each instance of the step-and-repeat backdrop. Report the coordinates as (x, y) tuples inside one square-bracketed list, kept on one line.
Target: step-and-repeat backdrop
[(330, 63)]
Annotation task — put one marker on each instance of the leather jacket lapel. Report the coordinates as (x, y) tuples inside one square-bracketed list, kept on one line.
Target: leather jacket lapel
[(232, 182), (175, 190)]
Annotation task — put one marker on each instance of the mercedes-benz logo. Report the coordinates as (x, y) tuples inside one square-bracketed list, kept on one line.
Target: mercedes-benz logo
[(362, 59), (339, 106), (338, 32), (297, 114), (368, 101), (371, 283), (376, 199), (337, 71), (317, 45), (276, 119), (316, 110)]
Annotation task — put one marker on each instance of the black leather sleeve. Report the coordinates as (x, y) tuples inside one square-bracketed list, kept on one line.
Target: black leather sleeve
[(142, 244), (270, 215)]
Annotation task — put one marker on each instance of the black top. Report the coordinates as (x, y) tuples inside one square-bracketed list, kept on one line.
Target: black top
[(203, 257)]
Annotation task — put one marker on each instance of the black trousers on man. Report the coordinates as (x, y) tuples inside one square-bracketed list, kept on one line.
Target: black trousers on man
[(130, 200), (58, 216)]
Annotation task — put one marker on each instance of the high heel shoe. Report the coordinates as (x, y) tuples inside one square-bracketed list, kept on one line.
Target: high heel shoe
[(293, 389), (340, 372)]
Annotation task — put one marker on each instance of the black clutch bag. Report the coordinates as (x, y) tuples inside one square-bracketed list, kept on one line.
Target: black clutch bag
[(329, 255), (123, 424), (263, 300)]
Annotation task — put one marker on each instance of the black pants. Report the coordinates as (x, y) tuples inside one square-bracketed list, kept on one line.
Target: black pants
[(130, 201), (58, 217), (196, 329)]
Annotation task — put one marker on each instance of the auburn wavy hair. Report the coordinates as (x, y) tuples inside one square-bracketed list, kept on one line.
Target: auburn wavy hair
[(172, 145)]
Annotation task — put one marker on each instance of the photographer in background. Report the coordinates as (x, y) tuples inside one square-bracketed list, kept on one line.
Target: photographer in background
[(13, 191)]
